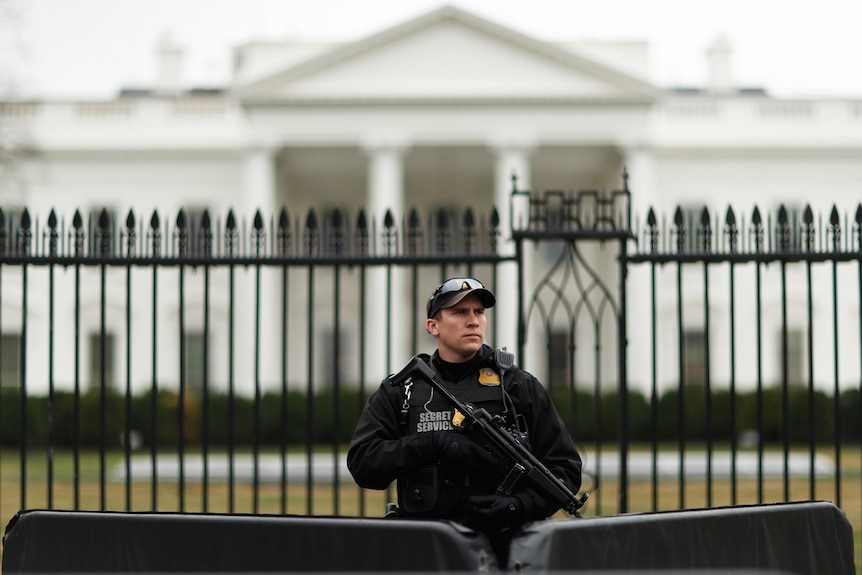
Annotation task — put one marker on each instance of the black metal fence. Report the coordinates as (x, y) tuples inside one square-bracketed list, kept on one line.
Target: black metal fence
[(200, 364)]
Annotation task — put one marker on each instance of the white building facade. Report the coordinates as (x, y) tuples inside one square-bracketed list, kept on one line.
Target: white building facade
[(439, 111)]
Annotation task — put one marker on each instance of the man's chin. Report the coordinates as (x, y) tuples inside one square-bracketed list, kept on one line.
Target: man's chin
[(471, 347)]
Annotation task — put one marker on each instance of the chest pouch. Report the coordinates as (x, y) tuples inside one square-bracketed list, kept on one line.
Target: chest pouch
[(427, 492)]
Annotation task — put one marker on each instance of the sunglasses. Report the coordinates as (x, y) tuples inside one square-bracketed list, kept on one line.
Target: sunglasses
[(448, 287), (457, 284)]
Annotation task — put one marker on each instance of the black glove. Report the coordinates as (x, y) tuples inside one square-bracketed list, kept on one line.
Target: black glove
[(459, 449), (495, 511)]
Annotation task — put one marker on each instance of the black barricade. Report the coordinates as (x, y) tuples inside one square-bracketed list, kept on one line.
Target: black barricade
[(802, 538), (74, 542), (798, 538)]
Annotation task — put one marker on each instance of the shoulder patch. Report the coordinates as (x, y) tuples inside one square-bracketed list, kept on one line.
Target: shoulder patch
[(488, 376)]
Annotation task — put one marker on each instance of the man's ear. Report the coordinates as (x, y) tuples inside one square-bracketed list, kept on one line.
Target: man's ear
[(431, 326)]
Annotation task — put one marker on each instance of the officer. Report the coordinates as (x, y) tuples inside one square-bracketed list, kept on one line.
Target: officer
[(406, 433)]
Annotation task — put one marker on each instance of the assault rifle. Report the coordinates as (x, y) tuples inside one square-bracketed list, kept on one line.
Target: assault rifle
[(525, 466)]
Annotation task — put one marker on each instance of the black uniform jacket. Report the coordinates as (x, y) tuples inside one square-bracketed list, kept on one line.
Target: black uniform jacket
[(384, 449)]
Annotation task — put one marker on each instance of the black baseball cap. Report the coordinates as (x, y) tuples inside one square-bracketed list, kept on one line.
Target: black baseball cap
[(454, 290)]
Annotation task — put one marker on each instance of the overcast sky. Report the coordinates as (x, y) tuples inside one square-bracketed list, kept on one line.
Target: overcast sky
[(92, 48)]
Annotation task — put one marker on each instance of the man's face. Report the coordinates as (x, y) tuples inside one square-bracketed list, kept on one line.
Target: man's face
[(460, 329)]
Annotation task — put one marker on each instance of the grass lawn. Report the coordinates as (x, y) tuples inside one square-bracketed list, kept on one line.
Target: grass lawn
[(90, 493)]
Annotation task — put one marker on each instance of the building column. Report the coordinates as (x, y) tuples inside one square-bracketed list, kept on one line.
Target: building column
[(388, 322), (258, 184), (640, 165), (511, 161), (258, 193)]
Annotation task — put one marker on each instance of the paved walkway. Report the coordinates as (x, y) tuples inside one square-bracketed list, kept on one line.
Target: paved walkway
[(640, 466), (695, 464)]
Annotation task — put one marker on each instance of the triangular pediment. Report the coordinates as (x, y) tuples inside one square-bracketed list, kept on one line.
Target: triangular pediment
[(448, 55)]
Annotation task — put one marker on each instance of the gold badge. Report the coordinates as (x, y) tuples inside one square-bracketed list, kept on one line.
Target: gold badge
[(458, 419), (488, 376)]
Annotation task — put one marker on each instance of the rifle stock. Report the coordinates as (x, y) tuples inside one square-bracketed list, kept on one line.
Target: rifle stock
[(525, 466)]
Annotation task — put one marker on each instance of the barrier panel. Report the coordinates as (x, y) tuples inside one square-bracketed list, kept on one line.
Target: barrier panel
[(802, 538), (791, 538), (39, 541)]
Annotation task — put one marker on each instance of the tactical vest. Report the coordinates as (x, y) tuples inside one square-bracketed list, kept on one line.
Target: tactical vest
[(433, 490)]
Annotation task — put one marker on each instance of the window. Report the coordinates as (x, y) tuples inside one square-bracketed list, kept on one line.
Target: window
[(691, 226), (12, 227), (788, 229), (554, 212), (445, 232), (796, 354), (97, 344), (238, 61), (195, 361), (101, 224), (558, 357), (199, 239), (694, 357), (332, 366), (336, 234), (10, 360)]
